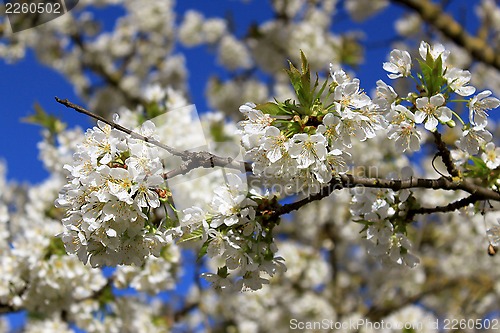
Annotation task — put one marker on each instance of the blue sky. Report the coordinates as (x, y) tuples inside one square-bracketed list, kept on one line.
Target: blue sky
[(26, 82)]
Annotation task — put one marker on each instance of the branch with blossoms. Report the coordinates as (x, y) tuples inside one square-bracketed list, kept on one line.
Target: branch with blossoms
[(348, 181), (433, 14), (193, 160), (298, 147), (309, 142)]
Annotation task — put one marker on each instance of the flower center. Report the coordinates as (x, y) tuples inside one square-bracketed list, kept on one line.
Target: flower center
[(429, 109)]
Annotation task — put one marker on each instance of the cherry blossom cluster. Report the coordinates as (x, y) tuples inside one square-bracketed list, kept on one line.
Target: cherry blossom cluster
[(380, 210), (383, 213), (116, 185), (115, 181), (431, 106), (298, 147), (236, 237), (37, 275), (329, 272), (297, 155), (157, 273)]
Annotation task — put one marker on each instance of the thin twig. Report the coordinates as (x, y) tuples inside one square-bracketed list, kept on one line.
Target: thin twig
[(114, 125), (192, 160), (207, 160), (464, 202), (445, 155)]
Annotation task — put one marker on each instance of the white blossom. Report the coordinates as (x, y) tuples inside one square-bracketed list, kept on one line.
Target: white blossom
[(385, 96), (275, 144), (399, 65), (190, 29), (308, 148), (435, 51), (430, 110), (350, 96), (233, 54), (472, 139), (360, 10), (457, 80), (478, 106), (230, 201), (329, 128), (404, 131), (491, 155)]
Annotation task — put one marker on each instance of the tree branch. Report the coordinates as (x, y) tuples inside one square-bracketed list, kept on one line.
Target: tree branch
[(114, 125), (192, 160), (464, 202), (445, 155), (433, 15), (5, 308), (350, 181)]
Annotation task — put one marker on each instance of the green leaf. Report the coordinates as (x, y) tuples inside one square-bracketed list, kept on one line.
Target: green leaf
[(437, 75), (305, 81), (217, 132), (432, 71), (301, 82), (203, 250), (350, 50), (429, 60), (294, 75), (291, 106), (438, 67), (479, 162), (270, 108), (321, 90), (105, 295), (477, 169), (42, 118), (427, 76), (153, 110), (55, 247)]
